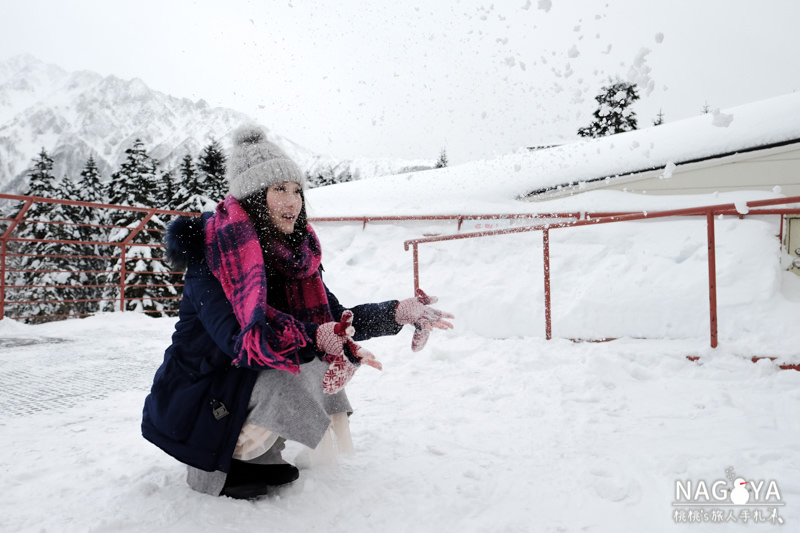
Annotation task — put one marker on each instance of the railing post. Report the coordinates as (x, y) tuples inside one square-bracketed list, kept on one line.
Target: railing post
[(122, 274), (10, 229), (546, 256), (415, 252), (712, 277)]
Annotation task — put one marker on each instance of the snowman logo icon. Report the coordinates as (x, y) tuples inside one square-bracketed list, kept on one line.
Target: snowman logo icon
[(739, 494)]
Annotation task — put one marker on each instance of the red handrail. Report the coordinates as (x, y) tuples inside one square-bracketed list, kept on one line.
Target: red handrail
[(26, 202), (709, 211), (125, 244), (457, 217), (552, 221)]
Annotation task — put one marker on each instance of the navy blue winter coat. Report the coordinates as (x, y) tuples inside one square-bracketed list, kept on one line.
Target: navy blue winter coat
[(198, 402)]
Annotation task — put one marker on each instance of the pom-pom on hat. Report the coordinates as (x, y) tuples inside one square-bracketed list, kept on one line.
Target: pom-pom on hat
[(256, 163)]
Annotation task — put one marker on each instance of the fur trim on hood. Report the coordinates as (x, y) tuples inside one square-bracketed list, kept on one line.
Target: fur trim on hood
[(186, 241)]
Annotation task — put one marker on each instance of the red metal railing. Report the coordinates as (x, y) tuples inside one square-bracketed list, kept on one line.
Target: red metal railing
[(710, 211), (458, 218), (8, 227), (9, 234), (551, 221)]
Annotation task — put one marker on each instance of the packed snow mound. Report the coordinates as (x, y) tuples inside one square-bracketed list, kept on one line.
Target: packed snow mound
[(494, 185)]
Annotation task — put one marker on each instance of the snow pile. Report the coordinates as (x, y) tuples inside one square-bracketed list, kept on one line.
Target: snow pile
[(488, 185)]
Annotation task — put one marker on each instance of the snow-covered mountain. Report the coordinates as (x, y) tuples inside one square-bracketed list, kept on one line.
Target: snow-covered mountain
[(73, 115)]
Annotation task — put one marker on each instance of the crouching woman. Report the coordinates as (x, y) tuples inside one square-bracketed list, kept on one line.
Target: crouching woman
[(262, 349)]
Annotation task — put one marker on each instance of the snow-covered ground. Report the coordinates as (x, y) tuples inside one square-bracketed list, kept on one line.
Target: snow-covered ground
[(491, 428)]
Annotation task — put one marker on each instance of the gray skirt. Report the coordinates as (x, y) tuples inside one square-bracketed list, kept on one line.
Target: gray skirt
[(292, 406)]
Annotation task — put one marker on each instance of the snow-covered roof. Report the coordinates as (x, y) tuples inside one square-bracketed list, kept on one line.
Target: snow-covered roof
[(500, 183)]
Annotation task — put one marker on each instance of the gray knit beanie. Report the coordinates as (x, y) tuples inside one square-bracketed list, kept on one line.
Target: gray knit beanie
[(256, 163)]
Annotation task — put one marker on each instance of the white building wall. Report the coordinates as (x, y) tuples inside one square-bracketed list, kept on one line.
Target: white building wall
[(763, 170)]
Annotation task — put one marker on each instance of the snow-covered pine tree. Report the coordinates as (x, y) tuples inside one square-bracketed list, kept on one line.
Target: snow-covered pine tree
[(442, 161), (68, 261), (41, 182), (325, 176), (95, 259), (614, 113), (134, 184), (67, 189), (147, 276), (32, 264), (310, 180), (166, 191), (211, 165), (190, 194)]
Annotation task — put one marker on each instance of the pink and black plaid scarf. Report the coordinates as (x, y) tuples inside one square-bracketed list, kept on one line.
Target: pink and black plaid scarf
[(269, 338)]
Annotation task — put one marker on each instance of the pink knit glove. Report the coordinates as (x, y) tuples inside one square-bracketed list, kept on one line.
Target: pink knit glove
[(334, 338), (416, 311)]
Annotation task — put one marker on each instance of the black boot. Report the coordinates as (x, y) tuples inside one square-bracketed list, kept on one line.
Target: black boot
[(246, 481)]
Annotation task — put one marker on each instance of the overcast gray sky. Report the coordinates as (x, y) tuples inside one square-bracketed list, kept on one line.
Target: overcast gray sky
[(406, 79)]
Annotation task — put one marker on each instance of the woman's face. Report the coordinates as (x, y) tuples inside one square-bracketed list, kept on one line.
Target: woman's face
[(284, 201)]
